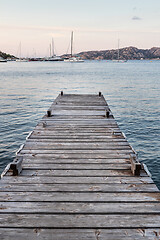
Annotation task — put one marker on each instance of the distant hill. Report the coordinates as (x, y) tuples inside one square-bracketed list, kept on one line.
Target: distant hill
[(6, 55), (128, 53)]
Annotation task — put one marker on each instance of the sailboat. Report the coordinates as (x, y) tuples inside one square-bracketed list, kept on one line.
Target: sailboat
[(53, 56), (2, 59), (20, 59), (118, 58), (73, 58)]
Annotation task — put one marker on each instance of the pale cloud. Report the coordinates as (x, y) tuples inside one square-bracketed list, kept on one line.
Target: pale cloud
[(136, 18), (61, 31), (35, 28), (55, 29)]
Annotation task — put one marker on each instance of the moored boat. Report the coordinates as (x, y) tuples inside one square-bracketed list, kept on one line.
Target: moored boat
[(118, 57), (53, 56), (2, 59), (73, 58)]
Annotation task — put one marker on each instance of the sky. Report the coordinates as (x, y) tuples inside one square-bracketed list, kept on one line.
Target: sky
[(97, 25)]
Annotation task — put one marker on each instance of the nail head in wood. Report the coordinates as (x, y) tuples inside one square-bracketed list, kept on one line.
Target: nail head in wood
[(49, 113)]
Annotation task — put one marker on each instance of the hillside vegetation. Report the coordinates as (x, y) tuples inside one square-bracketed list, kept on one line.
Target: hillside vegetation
[(128, 53), (6, 55)]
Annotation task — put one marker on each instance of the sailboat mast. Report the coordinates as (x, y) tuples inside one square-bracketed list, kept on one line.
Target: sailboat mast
[(50, 52), (72, 44), (118, 49), (20, 53), (53, 47)]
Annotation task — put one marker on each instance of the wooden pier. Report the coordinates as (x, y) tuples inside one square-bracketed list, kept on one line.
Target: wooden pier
[(77, 177)]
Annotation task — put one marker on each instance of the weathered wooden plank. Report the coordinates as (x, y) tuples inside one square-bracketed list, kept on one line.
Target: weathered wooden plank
[(75, 180), (76, 172), (88, 124), (91, 139), (92, 131), (64, 160), (69, 95), (78, 157), (83, 234), (67, 107), (104, 152), (75, 123), (80, 122), (74, 117), (73, 134), (77, 120), (48, 186), (59, 107), (83, 208), (80, 220), (28, 160), (84, 123), (80, 103), (85, 99), (69, 166), (79, 196), (76, 146), (91, 101), (80, 97), (79, 108), (79, 113), (60, 129), (77, 136)]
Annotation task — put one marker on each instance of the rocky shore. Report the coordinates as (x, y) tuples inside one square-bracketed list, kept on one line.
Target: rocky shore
[(6, 56)]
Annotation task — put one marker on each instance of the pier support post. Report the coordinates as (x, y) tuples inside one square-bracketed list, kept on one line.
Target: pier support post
[(135, 165), (107, 114), (49, 113), (16, 166)]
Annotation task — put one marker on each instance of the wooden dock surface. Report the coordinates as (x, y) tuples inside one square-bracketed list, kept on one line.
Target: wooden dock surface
[(76, 180)]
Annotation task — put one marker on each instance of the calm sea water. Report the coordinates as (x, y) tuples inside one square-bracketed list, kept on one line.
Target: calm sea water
[(132, 90)]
